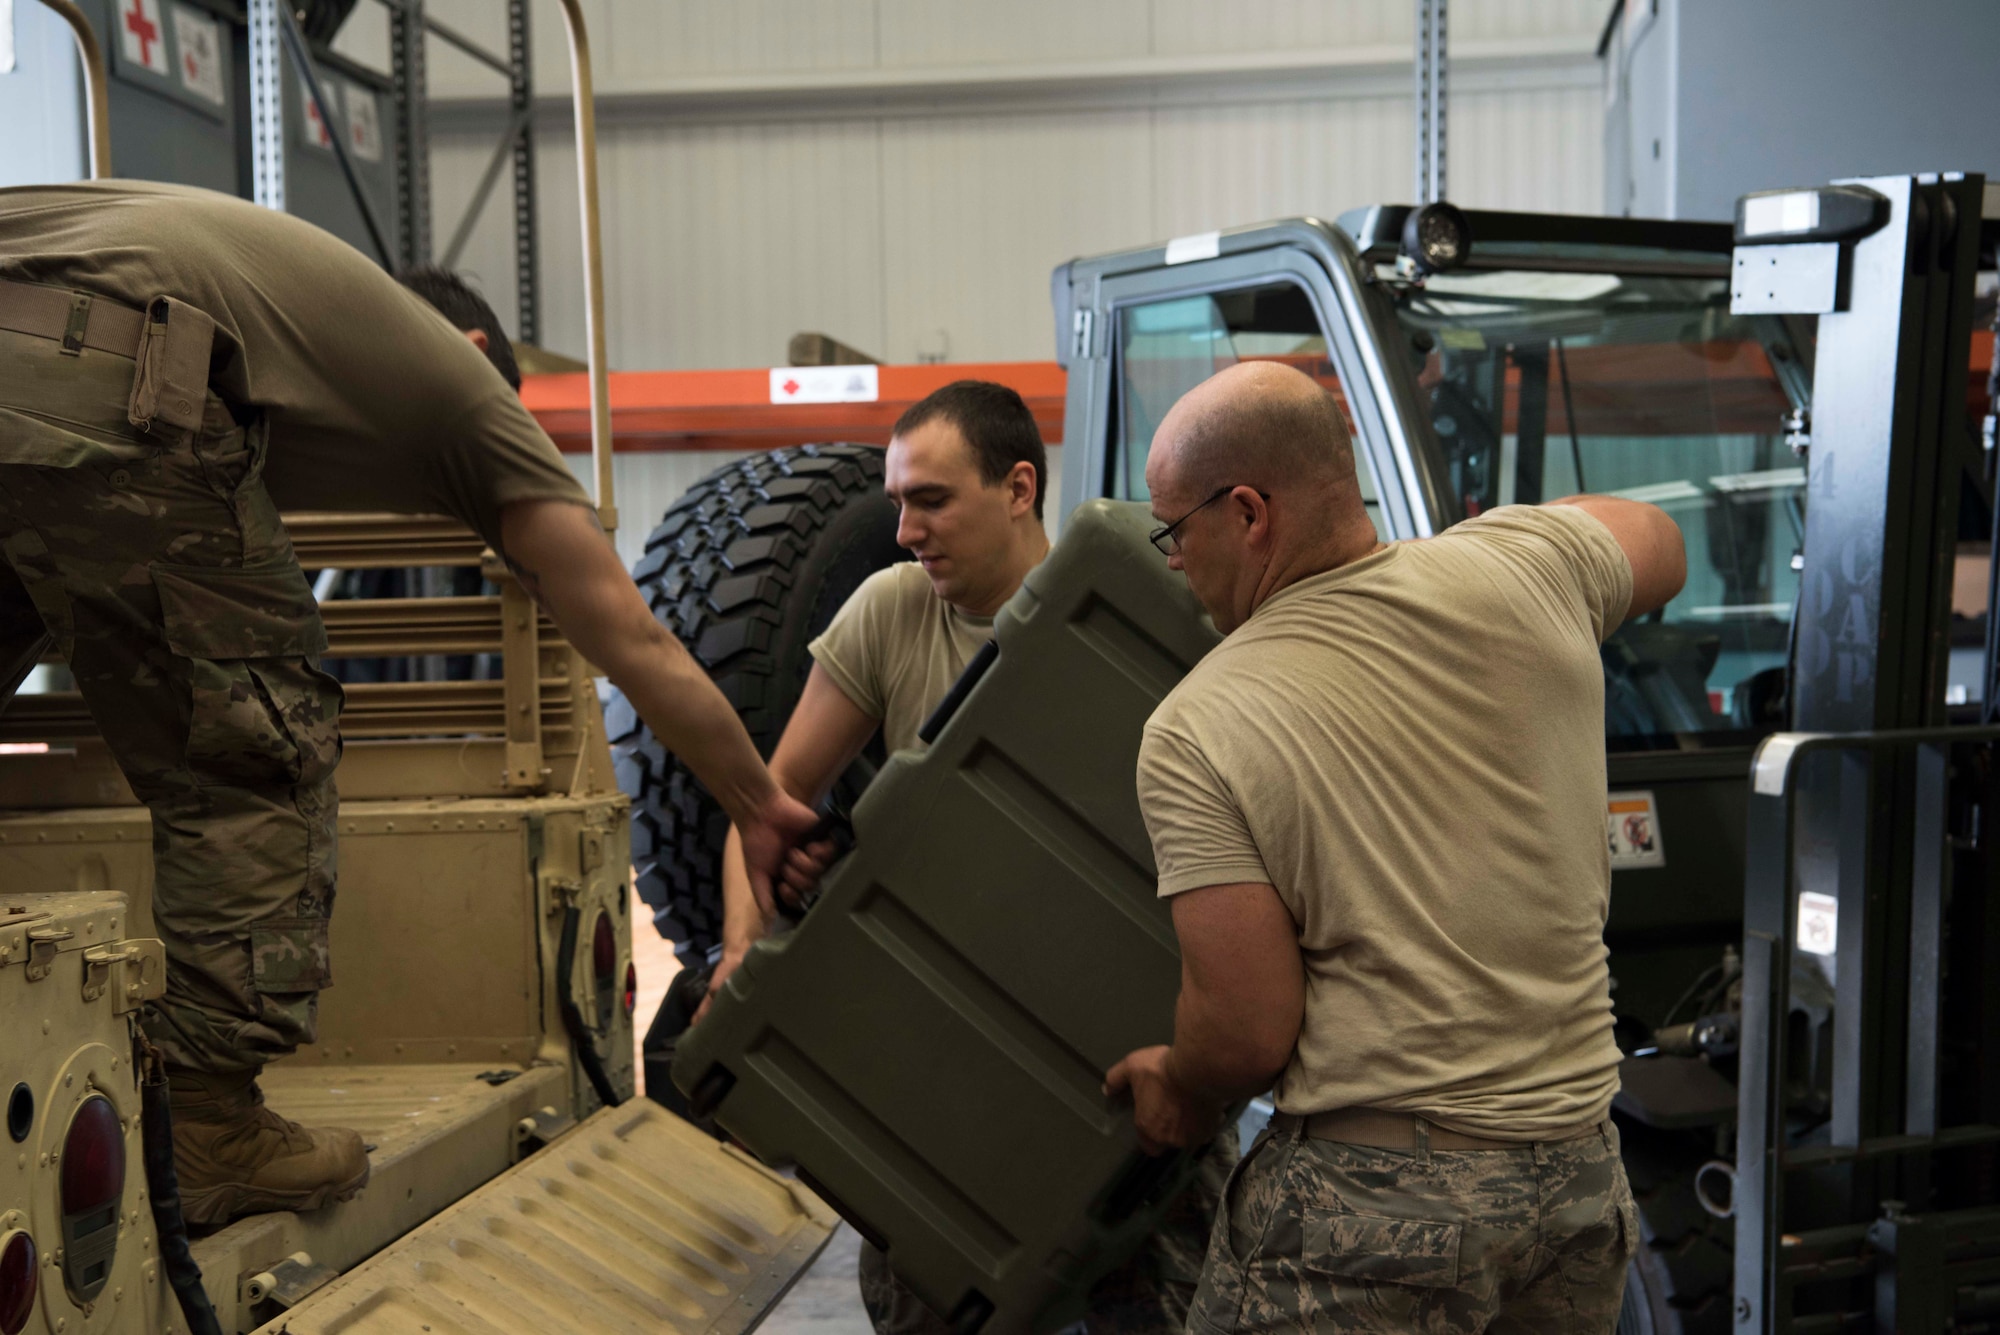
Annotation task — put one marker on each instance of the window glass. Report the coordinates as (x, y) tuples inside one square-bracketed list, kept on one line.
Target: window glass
[(1166, 348), (1541, 385)]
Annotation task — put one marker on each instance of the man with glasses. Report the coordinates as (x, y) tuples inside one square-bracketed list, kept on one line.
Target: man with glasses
[(1378, 807)]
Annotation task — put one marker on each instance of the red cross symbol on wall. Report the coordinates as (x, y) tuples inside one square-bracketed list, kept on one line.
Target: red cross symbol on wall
[(142, 28)]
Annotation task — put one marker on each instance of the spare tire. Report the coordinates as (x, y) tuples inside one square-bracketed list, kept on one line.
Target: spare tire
[(1682, 1277), (746, 569)]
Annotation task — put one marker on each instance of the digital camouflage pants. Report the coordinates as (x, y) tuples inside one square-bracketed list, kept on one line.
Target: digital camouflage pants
[(1148, 1295), (158, 564), (1321, 1236)]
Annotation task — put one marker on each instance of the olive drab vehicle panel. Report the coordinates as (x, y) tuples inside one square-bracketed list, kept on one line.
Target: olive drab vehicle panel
[(73, 1200), (929, 1045)]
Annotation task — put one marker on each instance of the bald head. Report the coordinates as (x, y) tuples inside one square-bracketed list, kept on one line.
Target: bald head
[(1254, 472), (1256, 424)]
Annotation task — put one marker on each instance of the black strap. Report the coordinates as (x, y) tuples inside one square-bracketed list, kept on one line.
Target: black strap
[(988, 654)]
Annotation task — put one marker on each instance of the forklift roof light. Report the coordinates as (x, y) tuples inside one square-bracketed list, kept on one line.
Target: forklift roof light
[(1829, 213)]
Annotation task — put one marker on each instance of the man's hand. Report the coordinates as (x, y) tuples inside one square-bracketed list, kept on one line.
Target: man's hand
[(769, 840), (804, 867), (731, 960), (1165, 1115)]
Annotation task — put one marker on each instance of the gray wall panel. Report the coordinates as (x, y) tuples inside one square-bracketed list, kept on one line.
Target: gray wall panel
[(1748, 97)]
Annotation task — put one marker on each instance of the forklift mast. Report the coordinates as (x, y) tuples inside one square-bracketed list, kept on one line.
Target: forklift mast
[(1865, 1199)]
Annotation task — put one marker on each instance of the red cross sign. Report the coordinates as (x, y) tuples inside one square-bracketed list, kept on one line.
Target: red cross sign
[(140, 39)]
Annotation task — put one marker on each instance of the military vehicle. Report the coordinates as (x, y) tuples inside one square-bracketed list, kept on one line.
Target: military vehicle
[(1485, 359), (479, 1035)]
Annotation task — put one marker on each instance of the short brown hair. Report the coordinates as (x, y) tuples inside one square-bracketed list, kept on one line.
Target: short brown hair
[(996, 424), (453, 298)]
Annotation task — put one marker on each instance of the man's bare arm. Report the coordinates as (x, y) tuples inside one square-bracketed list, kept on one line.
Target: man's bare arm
[(569, 567), (824, 735), (1243, 990), (1242, 1001), (1651, 542)]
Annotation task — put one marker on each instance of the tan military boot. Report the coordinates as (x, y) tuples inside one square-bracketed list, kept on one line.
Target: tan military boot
[(234, 1156)]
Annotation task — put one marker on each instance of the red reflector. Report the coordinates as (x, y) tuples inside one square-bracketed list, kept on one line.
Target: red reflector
[(93, 1171), (93, 1187), (604, 950), (19, 1278), (631, 987)]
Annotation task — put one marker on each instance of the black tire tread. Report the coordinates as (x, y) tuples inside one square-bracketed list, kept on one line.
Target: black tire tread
[(1687, 1256), (717, 572)]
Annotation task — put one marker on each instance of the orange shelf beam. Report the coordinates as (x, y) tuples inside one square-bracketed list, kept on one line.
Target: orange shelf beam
[(1728, 387), (731, 410)]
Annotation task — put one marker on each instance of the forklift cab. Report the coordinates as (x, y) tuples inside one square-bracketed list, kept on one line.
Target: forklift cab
[(1558, 355)]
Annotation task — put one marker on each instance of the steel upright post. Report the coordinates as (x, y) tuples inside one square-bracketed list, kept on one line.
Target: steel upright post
[(267, 105), (1432, 72), (520, 102), (408, 69)]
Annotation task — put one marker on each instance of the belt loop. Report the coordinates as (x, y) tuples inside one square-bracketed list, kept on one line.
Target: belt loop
[(1541, 1152), (1422, 1130), (79, 318)]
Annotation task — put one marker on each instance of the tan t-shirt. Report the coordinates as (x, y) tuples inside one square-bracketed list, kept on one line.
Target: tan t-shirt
[(895, 648), (374, 401), (1410, 749)]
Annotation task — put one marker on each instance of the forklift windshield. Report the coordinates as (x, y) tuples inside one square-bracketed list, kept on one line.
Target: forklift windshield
[(1541, 384), (1167, 347)]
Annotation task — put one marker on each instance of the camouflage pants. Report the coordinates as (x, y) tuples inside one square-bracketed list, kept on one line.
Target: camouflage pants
[(1322, 1236), (1148, 1295), (158, 564)]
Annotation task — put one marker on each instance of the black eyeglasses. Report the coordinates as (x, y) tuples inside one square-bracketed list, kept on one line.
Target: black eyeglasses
[(1164, 538)]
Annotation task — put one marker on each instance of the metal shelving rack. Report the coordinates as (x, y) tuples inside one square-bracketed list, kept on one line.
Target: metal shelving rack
[(274, 31)]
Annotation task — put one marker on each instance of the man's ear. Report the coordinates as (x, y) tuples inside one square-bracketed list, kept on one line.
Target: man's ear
[(477, 337), (1255, 512), (1021, 487)]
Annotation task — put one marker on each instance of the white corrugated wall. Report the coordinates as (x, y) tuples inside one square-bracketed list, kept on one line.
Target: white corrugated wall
[(904, 174), (766, 194)]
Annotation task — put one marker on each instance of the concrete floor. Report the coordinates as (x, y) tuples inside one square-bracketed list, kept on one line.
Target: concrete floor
[(825, 1301), (653, 956)]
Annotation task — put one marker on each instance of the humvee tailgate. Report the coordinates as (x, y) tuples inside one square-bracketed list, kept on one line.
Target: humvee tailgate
[(437, 1131), (635, 1221)]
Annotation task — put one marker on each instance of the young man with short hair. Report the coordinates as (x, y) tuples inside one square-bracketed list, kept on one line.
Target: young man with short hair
[(965, 469)]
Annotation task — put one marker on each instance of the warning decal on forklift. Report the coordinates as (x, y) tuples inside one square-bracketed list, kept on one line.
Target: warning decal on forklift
[(1633, 830), (825, 384), (1819, 922)]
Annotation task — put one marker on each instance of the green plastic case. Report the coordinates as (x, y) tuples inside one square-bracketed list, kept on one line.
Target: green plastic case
[(928, 1046)]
